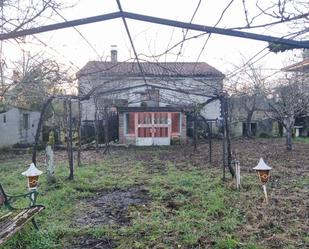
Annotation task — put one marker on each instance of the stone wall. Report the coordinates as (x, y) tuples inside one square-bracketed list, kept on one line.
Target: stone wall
[(166, 97)]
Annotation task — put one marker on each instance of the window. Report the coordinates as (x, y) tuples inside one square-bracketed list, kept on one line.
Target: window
[(161, 118), (176, 122), (129, 123), (26, 121), (4, 118), (144, 118)]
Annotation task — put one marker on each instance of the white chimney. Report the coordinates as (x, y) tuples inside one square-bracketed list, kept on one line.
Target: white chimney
[(114, 54)]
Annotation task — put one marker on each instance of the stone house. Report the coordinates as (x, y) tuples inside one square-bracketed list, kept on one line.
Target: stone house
[(18, 126), (261, 124), (151, 98)]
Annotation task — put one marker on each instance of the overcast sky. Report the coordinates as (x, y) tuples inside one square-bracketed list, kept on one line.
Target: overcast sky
[(222, 52)]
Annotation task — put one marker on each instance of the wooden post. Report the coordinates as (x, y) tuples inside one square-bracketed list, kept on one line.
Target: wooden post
[(71, 160), (65, 125), (79, 127), (265, 193), (106, 130), (228, 137), (224, 137), (50, 165), (210, 141), (237, 172), (96, 125), (224, 153), (194, 133)]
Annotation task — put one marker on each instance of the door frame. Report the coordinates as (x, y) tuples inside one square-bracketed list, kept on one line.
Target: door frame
[(147, 141)]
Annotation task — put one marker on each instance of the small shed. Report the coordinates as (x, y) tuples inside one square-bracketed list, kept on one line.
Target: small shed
[(146, 126), (17, 125)]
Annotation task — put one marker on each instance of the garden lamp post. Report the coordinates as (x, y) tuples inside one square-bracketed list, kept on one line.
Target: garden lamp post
[(263, 172), (32, 174)]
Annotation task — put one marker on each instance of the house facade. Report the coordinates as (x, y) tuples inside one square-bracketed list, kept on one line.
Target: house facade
[(18, 125), (261, 124), (151, 98)]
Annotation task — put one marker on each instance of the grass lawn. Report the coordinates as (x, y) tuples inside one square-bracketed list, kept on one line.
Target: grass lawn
[(168, 197), (301, 139)]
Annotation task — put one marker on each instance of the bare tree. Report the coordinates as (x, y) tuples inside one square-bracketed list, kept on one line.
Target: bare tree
[(289, 100), (16, 15), (249, 90), (35, 79)]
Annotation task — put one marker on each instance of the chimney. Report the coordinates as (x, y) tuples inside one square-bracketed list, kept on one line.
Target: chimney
[(114, 54), (150, 98)]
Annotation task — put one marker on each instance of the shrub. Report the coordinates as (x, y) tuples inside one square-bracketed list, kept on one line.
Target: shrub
[(265, 135)]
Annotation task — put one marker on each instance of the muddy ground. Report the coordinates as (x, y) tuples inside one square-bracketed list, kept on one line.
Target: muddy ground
[(111, 206), (90, 242)]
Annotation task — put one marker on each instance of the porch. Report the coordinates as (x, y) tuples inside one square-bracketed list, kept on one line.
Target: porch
[(147, 126)]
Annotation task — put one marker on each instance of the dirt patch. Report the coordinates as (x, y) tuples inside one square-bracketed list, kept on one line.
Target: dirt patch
[(111, 207), (87, 242)]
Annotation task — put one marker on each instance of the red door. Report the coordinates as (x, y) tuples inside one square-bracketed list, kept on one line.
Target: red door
[(153, 128)]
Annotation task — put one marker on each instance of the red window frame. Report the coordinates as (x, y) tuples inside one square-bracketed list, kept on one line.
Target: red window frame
[(130, 123), (175, 122)]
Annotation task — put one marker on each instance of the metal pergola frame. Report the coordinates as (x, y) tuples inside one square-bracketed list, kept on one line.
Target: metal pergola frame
[(156, 20)]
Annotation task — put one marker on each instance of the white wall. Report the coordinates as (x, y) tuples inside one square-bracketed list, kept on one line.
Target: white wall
[(28, 135), (12, 131), (9, 131), (167, 97), (212, 110)]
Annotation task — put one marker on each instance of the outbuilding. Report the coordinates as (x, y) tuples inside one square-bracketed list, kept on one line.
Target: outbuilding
[(152, 125), (18, 126)]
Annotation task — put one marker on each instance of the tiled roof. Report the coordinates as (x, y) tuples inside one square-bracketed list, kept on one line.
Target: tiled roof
[(298, 67), (185, 69), (150, 109)]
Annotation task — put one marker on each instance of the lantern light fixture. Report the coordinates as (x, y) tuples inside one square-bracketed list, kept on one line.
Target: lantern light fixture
[(263, 171), (32, 174)]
